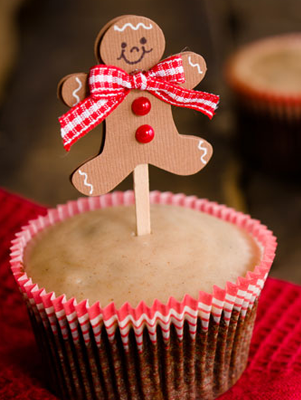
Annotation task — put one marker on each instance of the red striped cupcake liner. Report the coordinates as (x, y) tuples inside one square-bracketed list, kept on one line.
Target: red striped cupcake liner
[(192, 349)]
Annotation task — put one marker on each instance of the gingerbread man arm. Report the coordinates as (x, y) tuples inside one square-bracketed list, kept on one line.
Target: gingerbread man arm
[(73, 88), (194, 67)]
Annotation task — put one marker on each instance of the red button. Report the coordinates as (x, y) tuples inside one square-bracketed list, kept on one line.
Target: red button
[(141, 106), (145, 134)]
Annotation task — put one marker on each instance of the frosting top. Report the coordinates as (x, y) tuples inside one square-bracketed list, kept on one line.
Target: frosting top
[(272, 65), (97, 256)]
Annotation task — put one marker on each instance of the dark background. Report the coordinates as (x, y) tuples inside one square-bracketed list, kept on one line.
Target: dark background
[(41, 41)]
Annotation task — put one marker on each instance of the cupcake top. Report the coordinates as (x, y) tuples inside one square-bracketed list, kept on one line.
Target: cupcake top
[(270, 66), (97, 256)]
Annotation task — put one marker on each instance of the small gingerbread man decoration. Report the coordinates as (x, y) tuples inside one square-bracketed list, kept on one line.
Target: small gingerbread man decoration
[(133, 91)]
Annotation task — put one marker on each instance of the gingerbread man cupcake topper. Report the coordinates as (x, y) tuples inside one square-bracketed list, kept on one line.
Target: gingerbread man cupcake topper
[(133, 91)]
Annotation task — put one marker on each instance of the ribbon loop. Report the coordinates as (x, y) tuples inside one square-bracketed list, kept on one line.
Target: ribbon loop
[(109, 85)]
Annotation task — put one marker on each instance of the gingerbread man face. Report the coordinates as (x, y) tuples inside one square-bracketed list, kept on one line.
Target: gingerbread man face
[(132, 43)]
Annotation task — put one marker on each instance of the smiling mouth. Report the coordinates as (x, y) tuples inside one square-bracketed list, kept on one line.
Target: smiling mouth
[(122, 55)]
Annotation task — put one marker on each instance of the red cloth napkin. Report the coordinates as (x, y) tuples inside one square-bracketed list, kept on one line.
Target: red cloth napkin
[(274, 370)]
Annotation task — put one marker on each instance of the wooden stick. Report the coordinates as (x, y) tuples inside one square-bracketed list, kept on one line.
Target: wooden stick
[(141, 190)]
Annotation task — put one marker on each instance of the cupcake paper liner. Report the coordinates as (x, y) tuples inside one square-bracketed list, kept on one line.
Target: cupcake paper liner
[(193, 349)]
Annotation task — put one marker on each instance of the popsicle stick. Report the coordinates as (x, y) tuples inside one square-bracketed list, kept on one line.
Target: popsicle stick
[(141, 190)]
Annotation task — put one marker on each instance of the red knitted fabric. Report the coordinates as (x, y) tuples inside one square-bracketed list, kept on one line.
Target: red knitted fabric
[(274, 370)]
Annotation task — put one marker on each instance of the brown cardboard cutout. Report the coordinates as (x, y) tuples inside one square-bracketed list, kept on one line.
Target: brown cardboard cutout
[(137, 43), (73, 88)]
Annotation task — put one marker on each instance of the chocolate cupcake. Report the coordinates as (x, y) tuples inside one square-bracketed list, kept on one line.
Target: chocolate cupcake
[(265, 77), (163, 316)]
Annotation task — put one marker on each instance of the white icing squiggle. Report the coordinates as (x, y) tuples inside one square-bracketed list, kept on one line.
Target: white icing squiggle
[(200, 147), (128, 24), (195, 65), (85, 180), (76, 90)]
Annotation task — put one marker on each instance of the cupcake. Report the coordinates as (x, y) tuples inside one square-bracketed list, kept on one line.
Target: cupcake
[(265, 77), (162, 316)]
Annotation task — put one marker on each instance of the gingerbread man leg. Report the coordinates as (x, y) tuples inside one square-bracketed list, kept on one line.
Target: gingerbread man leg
[(100, 175), (184, 154)]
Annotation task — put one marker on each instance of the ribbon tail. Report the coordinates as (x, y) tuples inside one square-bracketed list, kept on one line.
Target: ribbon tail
[(83, 117), (206, 103), (178, 96)]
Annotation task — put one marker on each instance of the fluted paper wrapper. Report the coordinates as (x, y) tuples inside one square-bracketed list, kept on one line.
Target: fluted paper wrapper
[(269, 121), (193, 349)]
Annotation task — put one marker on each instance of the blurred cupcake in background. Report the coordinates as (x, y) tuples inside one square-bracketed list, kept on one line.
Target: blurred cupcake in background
[(265, 77)]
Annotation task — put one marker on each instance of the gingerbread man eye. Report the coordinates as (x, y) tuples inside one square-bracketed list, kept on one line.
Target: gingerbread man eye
[(143, 40), (123, 45)]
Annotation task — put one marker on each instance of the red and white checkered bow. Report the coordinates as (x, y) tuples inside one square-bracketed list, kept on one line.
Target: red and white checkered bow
[(110, 85)]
